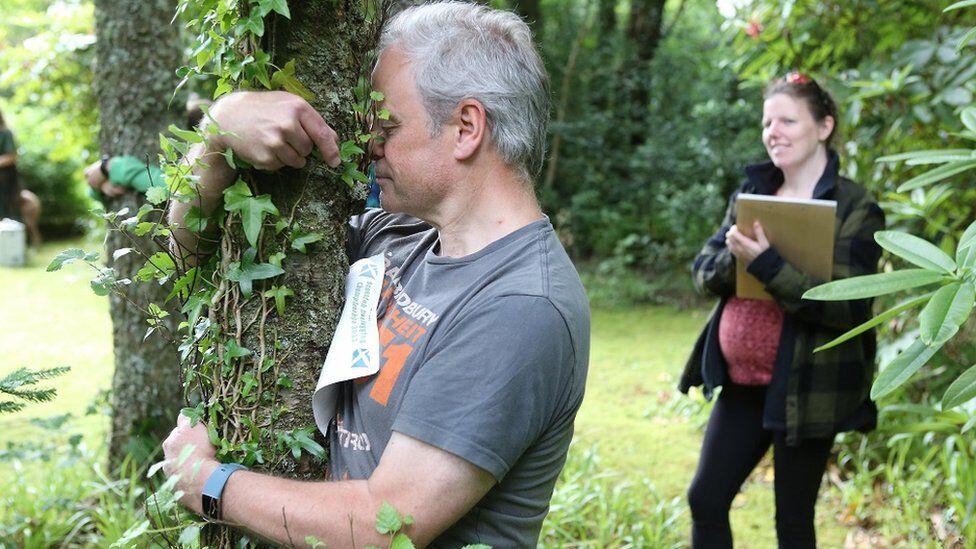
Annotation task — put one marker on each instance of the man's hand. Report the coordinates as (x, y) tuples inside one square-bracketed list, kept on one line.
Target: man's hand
[(744, 248), (196, 468), (94, 176), (273, 129)]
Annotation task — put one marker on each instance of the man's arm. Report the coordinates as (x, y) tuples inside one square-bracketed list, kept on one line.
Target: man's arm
[(8, 159), (434, 486), (269, 130)]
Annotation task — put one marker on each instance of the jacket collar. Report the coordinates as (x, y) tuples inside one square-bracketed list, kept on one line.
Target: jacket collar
[(766, 177)]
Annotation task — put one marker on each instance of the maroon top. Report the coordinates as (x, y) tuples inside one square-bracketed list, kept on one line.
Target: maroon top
[(748, 334)]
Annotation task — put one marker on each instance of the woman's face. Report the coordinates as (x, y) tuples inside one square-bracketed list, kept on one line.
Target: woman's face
[(790, 133)]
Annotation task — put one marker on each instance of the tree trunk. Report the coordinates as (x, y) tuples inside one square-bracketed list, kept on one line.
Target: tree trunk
[(137, 53), (330, 44), (644, 31), (644, 27)]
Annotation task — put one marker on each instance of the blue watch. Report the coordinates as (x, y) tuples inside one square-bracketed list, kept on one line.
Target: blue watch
[(215, 486)]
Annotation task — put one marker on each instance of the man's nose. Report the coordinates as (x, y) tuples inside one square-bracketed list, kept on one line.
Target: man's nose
[(375, 148)]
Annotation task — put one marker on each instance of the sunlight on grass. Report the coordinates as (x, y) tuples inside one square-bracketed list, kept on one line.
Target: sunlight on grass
[(54, 319)]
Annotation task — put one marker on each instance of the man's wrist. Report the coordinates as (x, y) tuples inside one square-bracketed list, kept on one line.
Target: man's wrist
[(211, 495), (103, 165)]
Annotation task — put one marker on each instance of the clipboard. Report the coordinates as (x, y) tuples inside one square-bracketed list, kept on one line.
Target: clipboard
[(801, 230)]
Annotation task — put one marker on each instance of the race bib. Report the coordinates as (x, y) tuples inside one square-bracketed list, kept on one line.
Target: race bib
[(355, 347)]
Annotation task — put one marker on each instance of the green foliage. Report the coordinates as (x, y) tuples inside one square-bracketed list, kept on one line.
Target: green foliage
[(19, 385), (643, 183), (46, 52), (591, 507)]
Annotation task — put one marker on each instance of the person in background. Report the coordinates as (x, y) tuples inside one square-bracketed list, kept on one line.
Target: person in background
[(113, 176), (775, 389), (9, 186)]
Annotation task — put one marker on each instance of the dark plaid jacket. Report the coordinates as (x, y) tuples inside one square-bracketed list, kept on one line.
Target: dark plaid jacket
[(810, 395)]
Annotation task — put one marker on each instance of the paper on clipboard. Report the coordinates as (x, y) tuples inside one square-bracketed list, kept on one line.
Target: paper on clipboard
[(354, 351)]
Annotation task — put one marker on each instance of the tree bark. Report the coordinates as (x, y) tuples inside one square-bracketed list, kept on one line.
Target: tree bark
[(137, 53), (330, 44)]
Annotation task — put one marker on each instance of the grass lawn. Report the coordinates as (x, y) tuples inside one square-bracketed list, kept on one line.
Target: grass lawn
[(631, 412)]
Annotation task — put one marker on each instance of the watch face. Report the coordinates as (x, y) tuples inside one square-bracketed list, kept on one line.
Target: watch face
[(211, 507)]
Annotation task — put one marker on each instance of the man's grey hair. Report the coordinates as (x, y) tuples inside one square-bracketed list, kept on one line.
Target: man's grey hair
[(459, 51)]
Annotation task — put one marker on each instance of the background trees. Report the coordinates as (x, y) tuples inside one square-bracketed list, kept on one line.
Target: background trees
[(137, 53)]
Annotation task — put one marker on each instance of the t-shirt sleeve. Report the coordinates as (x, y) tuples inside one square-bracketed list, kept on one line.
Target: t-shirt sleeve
[(493, 383), (129, 171), (371, 227)]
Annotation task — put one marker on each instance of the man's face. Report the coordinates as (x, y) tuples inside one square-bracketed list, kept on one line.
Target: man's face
[(411, 166)]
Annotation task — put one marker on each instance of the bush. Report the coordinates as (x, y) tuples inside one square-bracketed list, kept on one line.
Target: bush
[(54, 176)]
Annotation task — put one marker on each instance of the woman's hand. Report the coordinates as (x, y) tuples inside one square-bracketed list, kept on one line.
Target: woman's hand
[(744, 248)]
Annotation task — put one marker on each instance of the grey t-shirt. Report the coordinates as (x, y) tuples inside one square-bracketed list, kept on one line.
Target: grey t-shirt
[(484, 356)]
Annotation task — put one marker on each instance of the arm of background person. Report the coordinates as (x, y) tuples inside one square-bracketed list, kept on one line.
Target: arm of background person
[(713, 271), (8, 159), (435, 487), (855, 253)]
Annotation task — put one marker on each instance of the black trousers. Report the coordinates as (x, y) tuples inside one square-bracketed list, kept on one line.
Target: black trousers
[(734, 443)]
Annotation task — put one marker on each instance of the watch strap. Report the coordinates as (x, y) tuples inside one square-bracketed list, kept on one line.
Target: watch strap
[(214, 487), (103, 166)]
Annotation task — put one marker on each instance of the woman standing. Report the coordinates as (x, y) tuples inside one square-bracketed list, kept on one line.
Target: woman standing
[(9, 188), (775, 390)]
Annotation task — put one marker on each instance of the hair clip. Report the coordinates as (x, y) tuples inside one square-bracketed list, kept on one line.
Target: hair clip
[(797, 78)]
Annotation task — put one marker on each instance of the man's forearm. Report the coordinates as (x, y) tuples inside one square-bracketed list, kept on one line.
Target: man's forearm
[(8, 159), (285, 510), (214, 175)]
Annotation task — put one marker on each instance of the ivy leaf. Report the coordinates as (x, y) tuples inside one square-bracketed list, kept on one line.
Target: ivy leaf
[(280, 6), (945, 312), (915, 250), (255, 24), (304, 440), (284, 78), (901, 368), (302, 239), (245, 272), (234, 351), (279, 293), (860, 287), (238, 198), (348, 149), (67, 256), (186, 135), (376, 96), (250, 382), (194, 220), (388, 519)]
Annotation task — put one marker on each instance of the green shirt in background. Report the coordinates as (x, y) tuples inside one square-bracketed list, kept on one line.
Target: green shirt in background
[(129, 171)]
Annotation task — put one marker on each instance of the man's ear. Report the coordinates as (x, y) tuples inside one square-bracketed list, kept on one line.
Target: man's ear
[(471, 129)]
